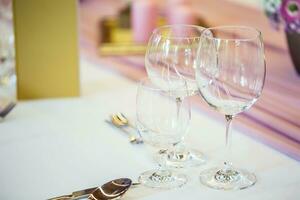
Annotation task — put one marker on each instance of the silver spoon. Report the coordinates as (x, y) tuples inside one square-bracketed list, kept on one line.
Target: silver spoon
[(111, 190), (114, 188)]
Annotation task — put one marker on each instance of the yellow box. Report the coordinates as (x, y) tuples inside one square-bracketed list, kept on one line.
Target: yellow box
[(46, 38)]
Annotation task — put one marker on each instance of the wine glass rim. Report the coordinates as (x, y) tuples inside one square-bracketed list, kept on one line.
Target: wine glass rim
[(143, 83), (257, 33), (170, 26)]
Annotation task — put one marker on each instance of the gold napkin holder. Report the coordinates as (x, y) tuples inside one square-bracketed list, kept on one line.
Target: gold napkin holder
[(117, 40)]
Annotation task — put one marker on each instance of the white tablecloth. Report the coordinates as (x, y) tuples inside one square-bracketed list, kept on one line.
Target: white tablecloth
[(55, 146)]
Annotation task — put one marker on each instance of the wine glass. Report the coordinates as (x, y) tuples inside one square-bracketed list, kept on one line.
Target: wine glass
[(172, 51), (230, 75), (162, 123)]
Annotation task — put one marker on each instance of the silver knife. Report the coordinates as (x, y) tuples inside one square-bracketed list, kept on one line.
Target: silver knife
[(76, 195)]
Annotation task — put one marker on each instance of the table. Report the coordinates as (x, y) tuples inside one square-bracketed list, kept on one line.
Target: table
[(275, 117), (56, 146)]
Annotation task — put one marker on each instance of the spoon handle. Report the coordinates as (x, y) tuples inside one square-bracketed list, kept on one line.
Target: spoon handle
[(63, 197), (135, 184), (76, 195)]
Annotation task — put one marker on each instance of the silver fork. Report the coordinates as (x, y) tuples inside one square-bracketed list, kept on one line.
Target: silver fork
[(121, 125)]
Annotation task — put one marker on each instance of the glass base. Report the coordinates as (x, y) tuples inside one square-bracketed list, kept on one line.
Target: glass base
[(181, 159), (163, 179), (227, 179)]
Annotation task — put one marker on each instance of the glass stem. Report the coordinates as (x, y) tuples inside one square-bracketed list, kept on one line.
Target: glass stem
[(178, 104), (162, 171), (160, 168), (227, 162), (179, 150)]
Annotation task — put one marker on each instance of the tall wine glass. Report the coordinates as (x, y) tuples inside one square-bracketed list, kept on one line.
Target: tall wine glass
[(230, 75), (162, 124), (172, 51)]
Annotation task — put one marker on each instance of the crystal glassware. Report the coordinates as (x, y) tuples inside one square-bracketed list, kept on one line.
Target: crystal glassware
[(172, 51), (230, 75), (162, 123)]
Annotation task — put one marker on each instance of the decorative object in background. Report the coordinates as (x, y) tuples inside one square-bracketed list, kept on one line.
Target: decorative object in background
[(119, 37), (7, 60), (287, 11), (144, 17), (116, 36), (293, 40), (46, 48), (178, 2), (180, 12)]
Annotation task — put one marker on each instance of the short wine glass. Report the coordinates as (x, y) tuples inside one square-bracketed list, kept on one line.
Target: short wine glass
[(162, 124), (230, 75), (172, 51)]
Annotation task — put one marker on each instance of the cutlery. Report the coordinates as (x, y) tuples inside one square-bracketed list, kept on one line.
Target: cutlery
[(7, 109), (112, 188), (125, 121), (132, 139), (76, 194), (121, 122)]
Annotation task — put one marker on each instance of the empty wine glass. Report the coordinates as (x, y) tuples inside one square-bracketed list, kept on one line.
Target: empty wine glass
[(162, 123), (230, 75), (172, 51)]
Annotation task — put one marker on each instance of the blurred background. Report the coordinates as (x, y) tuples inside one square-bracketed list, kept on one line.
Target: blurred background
[(111, 31), (97, 14)]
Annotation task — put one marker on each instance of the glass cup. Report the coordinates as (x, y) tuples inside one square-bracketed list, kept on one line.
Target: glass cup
[(162, 123), (172, 52), (230, 75)]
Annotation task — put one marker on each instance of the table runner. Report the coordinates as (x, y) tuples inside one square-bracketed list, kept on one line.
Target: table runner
[(273, 120)]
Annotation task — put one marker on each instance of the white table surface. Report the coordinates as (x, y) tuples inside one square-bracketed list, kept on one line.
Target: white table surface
[(53, 147)]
